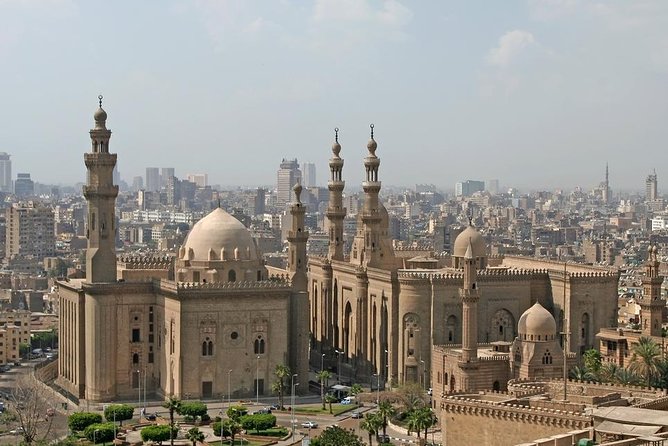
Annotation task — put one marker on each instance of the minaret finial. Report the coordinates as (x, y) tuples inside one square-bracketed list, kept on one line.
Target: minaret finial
[(218, 201), (371, 126), (100, 100), (336, 134)]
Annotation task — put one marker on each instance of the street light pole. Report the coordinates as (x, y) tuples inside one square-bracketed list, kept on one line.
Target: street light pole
[(144, 406), (292, 402), (229, 389), (377, 375), (338, 366), (424, 375), (139, 393), (257, 380)]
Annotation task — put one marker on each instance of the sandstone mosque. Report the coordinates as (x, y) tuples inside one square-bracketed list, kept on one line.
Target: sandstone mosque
[(216, 321), (213, 322), (468, 319)]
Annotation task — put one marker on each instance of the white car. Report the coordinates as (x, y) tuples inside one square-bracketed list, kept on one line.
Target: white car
[(310, 424)]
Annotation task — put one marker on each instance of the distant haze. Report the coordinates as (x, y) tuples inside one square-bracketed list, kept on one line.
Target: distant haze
[(537, 93)]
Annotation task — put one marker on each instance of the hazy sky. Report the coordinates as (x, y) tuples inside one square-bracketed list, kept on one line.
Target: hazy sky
[(536, 93)]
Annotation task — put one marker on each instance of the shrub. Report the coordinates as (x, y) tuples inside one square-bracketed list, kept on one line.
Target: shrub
[(205, 418), (193, 409), (258, 422), (78, 421), (157, 433), (217, 426), (100, 432), (118, 412)]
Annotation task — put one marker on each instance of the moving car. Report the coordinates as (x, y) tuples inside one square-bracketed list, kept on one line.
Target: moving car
[(356, 414), (310, 424)]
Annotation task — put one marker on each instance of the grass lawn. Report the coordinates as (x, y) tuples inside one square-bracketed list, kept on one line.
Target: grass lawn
[(316, 409), (238, 442)]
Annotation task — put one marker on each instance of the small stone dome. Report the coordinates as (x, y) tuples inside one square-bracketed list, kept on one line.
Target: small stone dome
[(220, 232), (470, 234), (537, 321), (100, 115)]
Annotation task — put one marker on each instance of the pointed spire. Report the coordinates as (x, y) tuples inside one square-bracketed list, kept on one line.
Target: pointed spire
[(372, 144), (469, 251)]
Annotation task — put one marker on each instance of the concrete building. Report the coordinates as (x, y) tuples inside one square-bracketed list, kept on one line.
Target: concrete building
[(29, 231), (165, 174), (24, 187), (214, 321), (468, 188), (5, 172), (153, 182), (651, 187), (200, 179), (308, 169), (288, 175), (14, 331)]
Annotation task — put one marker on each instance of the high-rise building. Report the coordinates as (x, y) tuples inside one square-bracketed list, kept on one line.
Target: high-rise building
[(492, 186), (651, 187), (200, 179), (152, 179), (308, 169), (137, 183), (5, 172), (288, 175), (24, 186), (30, 231), (165, 175), (468, 188)]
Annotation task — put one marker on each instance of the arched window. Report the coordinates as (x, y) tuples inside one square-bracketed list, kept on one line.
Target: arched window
[(207, 347), (204, 348), (135, 358), (259, 346), (232, 276), (547, 357)]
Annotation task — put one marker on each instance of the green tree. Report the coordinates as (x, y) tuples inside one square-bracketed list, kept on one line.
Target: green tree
[(79, 421), (412, 396), (231, 428), (592, 362), (236, 412), (100, 432), (372, 423), (646, 359), (355, 389), (118, 412), (385, 410), (581, 374), (323, 376), (158, 433), (24, 349), (419, 419), (329, 399), (172, 404), (336, 436), (258, 422), (608, 372), (193, 409), (195, 435), (626, 377), (281, 372)]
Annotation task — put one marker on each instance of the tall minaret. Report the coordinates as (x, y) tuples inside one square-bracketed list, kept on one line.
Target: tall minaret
[(101, 193), (470, 295), (367, 244), (299, 303), (335, 210), (297, 238), (651, 304)]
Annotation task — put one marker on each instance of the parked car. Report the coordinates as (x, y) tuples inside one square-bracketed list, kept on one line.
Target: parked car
[(383, 438), (151, 416), (274, 407), (310, 424), (263, 410), (356, 414), (348, 400)]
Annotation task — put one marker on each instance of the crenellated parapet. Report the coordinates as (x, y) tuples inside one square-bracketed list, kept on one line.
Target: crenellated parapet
[(517, 413), (151, 262), (454, 277)]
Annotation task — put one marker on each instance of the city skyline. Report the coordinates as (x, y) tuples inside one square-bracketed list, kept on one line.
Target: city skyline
[(548, 90)]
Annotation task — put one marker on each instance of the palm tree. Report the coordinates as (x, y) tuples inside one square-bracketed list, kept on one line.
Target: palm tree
[(646, 359), (626, 377), (581, 374), (420, 419), (172, 404), (323, 377), (608, 371), (281, 372), (195, 435), (330, 399), (385, 410), (371, 423)]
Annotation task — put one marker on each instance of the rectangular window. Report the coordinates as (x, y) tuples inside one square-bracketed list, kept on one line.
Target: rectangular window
[(150, 358), (150, 328), (135, 335), (150, 314), (150, 337)]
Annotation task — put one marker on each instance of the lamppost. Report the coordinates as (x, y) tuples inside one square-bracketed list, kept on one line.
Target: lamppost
[(338, 366), (377, 375), (257, 380), (95, 436), (387, 365), (139, 393), (229, 389), (424, 375), (292, 401), (322, 381), (144, 406)]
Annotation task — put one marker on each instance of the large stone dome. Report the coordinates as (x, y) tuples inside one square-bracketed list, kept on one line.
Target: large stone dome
[(220, 233), (477, 243), (537, 321)]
